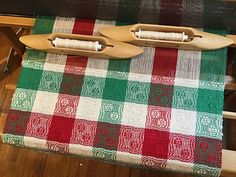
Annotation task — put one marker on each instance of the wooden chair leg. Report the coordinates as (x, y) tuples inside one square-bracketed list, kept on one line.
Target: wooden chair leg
[(13, 39), (229, 115), (10, 87), (228, 163), (2, 123), (230, 83), (9, 57), (11, 54)]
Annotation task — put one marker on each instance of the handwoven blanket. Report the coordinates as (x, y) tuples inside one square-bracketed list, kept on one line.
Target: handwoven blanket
[(162, 109)]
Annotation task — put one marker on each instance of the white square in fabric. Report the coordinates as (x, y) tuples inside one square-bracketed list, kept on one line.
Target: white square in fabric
[(188, 64), (81, 150), (93, 62), (128, 158), (102, 23), (139, 77), (95, 72), (63, 25), (183, 121), (54, 67), (143, 64), (134, 115), (33, 142), (88, 109), (179, 166), (42, 100), (186, 82), (188, 68), (56, 58)]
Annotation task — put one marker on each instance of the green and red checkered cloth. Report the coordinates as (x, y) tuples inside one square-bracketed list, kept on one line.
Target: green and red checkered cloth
[(162, 109)]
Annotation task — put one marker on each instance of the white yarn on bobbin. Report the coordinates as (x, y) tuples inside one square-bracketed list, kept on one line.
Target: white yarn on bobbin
[(170, 36), (77, 44)]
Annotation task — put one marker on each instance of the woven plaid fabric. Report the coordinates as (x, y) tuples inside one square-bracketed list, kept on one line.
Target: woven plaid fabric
[(215, 14), (162, 109)]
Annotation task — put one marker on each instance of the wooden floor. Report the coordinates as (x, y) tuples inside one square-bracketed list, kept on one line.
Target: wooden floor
[(21, 162)]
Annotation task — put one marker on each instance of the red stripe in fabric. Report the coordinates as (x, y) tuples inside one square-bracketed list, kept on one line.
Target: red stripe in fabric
[(164, 65), (61, 126), (156, 144), (81, 26), (162, 87), (60, 129), (170, 12)]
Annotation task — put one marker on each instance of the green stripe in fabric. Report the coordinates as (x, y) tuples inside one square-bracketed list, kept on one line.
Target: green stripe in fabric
[(109, 120), (203, 170), (128, 10), (213, 63), (13, 139), (119, 65), (43, 25), (211, 95), (210, 101), (29, 78), (119, 69), (100, 153), (115, 88), (212, 77)]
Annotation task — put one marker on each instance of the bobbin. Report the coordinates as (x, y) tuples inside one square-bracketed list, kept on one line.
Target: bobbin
[(110, 49), (156, 35), (77, 44), (197, 40)]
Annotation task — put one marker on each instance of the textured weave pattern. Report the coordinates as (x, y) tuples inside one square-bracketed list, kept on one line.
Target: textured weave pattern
[(216, 14), (161, 109)]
